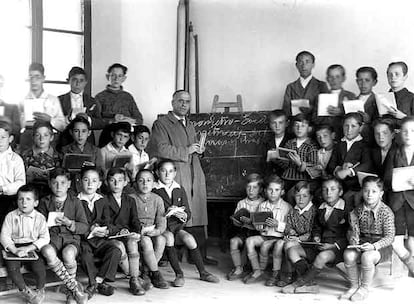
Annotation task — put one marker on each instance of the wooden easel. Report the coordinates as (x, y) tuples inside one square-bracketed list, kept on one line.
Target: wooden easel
[(227, 105)]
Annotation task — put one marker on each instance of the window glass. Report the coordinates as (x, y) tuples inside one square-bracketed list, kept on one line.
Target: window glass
[(63, 14)]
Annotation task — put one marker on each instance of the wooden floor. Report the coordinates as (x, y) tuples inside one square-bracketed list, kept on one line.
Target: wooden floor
[(387, 289)]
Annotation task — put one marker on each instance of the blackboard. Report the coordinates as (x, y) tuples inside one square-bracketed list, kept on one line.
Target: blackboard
[(234, 149)]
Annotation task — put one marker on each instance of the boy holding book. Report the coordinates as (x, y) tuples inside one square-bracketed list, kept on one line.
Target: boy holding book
[(402, 202), (67, 222), (306, 87), (95, 243), (270, 232), (372, 230), (397, 73), (42, 157), (242, 219), (329, 230), (120, 134), (123, 218), (25, 230), (176, 204), (12, 171)]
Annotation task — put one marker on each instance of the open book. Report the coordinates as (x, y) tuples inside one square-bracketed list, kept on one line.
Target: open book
[(325, 101), (31, 256)]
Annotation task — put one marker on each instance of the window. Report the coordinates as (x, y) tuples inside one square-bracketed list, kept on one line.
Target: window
[(61, 39)]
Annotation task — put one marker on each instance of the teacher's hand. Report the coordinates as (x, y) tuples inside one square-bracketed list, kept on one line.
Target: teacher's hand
[(194, 148)]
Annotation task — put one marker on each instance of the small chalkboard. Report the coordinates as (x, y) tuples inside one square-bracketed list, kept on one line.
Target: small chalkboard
[(234, 148)]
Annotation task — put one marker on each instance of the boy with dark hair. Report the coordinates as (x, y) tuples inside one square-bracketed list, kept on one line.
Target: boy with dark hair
[(65, 230), (120, 133), (278, 124), (95, 243), (397, 73), (117, 104), (12, 172), (306, 87), (25, 230), (78, 102)]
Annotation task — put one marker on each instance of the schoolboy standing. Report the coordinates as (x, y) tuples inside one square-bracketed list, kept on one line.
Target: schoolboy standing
[(306, 86)]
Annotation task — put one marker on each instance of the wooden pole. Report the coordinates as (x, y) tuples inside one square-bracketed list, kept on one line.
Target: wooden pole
[(197, 80), (180, 59)]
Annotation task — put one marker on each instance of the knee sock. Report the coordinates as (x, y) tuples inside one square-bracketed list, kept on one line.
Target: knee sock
[(124, 264), (236, 257), (133, 259), (353, 275), (197, 259), (173, 258), (254, 261), (301, 267), (408, 260), (263, 261), (71, 268), (367, 275), (277, 263), (60, 270), (150, 260)]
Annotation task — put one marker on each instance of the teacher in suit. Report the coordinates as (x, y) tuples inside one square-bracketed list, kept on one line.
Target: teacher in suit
[(174, 137)]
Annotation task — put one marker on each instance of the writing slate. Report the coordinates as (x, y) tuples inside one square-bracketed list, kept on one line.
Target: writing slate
[(234, 149)]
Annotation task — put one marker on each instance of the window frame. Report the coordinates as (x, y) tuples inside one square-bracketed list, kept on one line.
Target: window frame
[(37, 38)]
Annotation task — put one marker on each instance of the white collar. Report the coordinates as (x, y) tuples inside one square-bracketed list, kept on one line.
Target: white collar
[(374, 210), (180, 118), (77, 95), (133, 149), (44, 95), (336, 91), (307, 208), (340, 205), (305, 81), (358, 138), (84, 197), (160, 185), (111, 147)]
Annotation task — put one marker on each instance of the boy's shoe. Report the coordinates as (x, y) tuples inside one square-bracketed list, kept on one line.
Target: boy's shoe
[(285, 280), (70, 299), (162, 263), (135, 287), (360, 294), (348, 294), (179, 280), (31, 296), (79, 296), (41, 293), (145, 281), (208, 277), (273, 279), (292, 287), (91, 290), (249, 279), (158, 281), (232, 275), (106, 289), (308, 288)]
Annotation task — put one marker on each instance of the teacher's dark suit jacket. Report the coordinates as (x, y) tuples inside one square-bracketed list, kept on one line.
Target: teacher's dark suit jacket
[(396, 199)]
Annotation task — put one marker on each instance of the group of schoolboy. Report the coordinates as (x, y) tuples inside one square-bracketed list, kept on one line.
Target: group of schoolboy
[(126, 216), (329, 197)]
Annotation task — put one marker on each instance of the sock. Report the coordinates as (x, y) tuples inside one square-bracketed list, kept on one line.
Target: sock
[(236, 257), (71, 268), (301, 267), (367, 275), (150, 260), (263, 261), (197, 259), (173, 258), (124, 264), (133, 259), (254, 261), (60, 270), (353, 275), (99, 280)]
